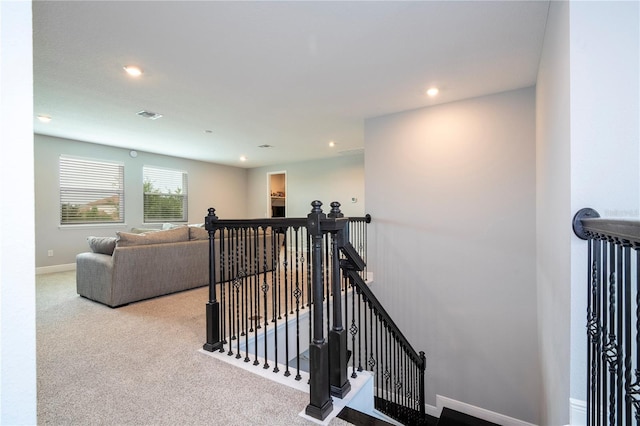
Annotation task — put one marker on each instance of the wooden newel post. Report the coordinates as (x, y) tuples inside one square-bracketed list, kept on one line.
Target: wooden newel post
[(340, 385), (320, 402), (213, 307)]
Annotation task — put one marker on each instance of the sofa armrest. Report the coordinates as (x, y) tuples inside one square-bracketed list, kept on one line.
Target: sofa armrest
[(94, 273)]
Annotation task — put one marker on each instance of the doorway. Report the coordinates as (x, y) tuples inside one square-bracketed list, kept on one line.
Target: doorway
[(277, 194)]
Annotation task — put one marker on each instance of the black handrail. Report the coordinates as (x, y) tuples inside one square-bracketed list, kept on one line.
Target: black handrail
[(588, 224)]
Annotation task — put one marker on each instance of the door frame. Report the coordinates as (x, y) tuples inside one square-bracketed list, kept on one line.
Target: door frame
[(286, 191)]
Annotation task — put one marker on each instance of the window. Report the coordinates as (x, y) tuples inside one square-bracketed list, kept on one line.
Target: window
[(91, 191), (165, 195)]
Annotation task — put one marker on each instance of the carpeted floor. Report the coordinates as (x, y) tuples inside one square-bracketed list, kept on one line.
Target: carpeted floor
[(140, 365)]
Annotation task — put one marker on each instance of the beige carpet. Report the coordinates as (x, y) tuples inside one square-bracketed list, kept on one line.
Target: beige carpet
[(140, 365)]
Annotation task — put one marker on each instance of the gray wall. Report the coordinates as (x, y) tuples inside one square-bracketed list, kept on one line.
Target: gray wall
[(451, 189), (333, 179), (210, 185)]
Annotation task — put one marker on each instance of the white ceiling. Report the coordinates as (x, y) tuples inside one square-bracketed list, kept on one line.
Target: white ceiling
[(294, 75)]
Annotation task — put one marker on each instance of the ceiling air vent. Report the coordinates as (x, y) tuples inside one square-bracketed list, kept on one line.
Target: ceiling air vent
[(150, 115), (352, 151), (266, 145)]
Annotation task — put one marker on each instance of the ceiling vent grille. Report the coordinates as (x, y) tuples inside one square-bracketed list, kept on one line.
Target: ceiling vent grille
[(352, 151), (150, 115)]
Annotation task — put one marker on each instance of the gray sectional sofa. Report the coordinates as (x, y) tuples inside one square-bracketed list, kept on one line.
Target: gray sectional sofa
[(132, 267)]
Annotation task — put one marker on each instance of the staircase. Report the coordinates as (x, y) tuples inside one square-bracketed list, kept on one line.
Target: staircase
[(313, 285)]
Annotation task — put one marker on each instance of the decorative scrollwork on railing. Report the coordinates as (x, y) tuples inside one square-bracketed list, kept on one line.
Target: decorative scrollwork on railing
[(371, 362), (633, 394), (611, 354)]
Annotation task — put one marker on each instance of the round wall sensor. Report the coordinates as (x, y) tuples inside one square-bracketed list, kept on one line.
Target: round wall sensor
[(133, 153)]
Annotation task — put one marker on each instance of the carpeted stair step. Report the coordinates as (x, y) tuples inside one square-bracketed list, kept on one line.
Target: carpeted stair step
[(450, 417)]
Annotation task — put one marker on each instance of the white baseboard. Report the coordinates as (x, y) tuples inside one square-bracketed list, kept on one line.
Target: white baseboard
[(578, 413), (55, 268), (481, 413)]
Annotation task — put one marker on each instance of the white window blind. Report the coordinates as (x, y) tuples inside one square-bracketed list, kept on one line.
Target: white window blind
[(165, 195), (91, 191)]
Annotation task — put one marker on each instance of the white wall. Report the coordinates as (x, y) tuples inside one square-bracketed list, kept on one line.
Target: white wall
[(605, 137), (588, 121), (333, 179), (210, 185), (553, 217), (17, 281), (451, 189)]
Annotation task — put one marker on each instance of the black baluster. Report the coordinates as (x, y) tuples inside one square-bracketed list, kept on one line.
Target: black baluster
[(627, 334), (230, 306), (593, 332), (238, 287), (275, 298), (611, 351), (297, 294), (285, 265), (619, 334), (604, 309), (265, 290), (636, 384), (353, 296), (248, 285), (256, 295), (355, 330)]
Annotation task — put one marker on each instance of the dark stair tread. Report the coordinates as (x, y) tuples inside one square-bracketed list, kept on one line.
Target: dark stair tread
[(450, 417), (402, 414), (359, 418)]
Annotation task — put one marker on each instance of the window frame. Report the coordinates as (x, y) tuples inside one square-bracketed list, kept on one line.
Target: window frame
[(184, 195), (79, 175)]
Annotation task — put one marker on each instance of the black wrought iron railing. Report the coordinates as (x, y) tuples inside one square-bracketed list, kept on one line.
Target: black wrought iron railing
[(286, 291), (378, 345), (613, 318)]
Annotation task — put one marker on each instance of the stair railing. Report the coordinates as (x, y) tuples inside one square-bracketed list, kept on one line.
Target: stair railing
[(267, 274), (613, 318), (379, 346)]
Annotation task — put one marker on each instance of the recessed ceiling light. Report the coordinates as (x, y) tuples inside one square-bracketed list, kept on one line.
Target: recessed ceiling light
[(243, 158), (432, 91), (44, 118), (132, 70), (332, 144)]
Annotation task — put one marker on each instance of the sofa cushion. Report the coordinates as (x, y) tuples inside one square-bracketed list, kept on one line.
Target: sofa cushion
[(102, 245), (127, 239), (198, 233), (143, 230)]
